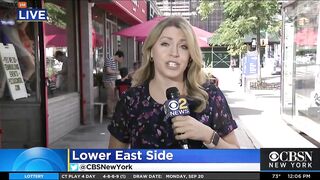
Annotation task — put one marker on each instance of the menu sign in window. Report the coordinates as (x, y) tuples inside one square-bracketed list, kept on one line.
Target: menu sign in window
[(10, 65)]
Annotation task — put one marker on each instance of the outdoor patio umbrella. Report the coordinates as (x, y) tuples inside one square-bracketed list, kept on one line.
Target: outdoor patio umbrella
[(57, 37), (142, 30)]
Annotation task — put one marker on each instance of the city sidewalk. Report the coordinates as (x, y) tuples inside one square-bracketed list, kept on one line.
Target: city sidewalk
[(93, 136), (257, 113)]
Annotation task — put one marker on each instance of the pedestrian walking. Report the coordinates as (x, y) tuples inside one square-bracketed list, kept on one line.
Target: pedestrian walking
[(233, 63), (109, 77)]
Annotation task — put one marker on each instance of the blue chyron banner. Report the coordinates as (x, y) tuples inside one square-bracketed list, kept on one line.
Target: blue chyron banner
[(41, 159), (52, 160), (164, 156), (164, 160)]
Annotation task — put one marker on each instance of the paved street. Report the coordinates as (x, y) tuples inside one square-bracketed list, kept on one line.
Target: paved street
[(257, 113)]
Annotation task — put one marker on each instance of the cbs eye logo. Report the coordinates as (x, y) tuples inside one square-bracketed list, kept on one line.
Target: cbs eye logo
[(178, 104), (274, 156), (39, 159), (173, 105)]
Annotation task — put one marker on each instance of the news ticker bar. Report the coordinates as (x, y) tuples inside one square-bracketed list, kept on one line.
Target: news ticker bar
[(163, 176)]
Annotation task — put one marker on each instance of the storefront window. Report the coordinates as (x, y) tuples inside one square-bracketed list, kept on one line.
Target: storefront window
[(21, 120), (97, 39), (302, 60), (61, 61), (18, 77), (307, 63), (104, 42), (111, 40)]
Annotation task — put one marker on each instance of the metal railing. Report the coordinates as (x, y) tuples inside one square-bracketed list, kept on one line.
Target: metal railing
[(216, 59)]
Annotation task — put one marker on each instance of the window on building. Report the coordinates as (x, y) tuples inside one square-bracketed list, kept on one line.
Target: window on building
[(60, 34), (18, 78), (307, 68), (97, 40)]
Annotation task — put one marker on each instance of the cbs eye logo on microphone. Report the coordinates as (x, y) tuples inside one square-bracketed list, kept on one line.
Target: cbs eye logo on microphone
[(177, 107)]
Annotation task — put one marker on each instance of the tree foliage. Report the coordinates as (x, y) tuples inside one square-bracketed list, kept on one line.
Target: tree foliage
[(206, 7), (56, 15), (241, 17)]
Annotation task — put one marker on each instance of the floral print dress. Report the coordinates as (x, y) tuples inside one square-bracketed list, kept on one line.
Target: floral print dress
[(139, 120)]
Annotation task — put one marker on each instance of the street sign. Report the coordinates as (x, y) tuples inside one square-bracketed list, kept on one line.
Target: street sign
[(250, 64)]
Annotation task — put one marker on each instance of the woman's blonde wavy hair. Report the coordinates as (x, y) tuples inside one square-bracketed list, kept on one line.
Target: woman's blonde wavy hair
[(194, 76)]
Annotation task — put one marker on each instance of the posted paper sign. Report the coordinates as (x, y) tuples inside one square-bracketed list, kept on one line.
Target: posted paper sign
[(250, 64), (10, 65)]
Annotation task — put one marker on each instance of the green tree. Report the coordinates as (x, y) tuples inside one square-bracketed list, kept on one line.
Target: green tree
[(242, 17), (56, 15)]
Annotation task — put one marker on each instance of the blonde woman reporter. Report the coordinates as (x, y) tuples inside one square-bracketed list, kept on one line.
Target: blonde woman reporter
[(172, 58)]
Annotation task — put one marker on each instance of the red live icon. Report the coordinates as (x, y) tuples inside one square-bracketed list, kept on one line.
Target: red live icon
[(22, 4)]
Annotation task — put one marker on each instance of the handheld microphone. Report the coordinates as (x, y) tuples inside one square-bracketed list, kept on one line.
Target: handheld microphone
[(176, 106)]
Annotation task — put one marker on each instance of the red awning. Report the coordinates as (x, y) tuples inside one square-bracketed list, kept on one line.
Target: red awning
[(120, 12), (306, 37), (57, 37), (142, 30), (54, 36)]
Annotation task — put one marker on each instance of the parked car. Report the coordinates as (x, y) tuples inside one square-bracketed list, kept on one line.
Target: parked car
[(306, 59)]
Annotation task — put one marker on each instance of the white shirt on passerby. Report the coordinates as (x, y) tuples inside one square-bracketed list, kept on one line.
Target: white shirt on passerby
[(113, 65)]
